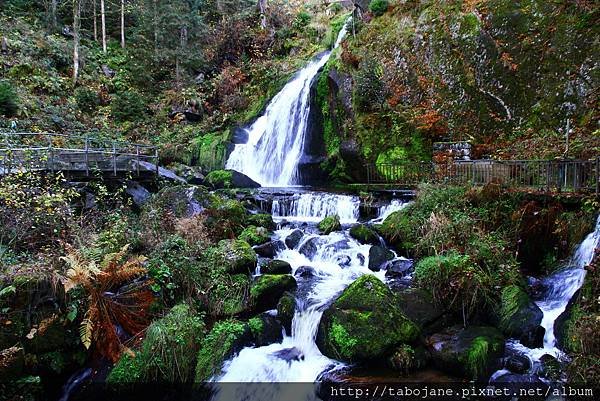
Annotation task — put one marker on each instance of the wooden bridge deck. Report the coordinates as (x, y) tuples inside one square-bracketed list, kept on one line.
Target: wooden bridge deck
[(76, 156)]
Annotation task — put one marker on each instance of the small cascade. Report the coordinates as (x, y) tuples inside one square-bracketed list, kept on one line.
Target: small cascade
[(276, 140), (74, 383), (385, 211), (560, 288), (315, 206)]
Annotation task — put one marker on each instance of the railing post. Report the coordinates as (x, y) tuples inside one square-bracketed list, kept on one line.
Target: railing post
[(87, 159), (114, 158), (548, 166), (51, 152), (597, 176), (137, 158), (156, 160)]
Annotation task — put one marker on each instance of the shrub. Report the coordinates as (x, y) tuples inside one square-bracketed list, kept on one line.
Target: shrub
[(87, 99), (8, 99), (128, 106), (255, 235), (379, 7), (302, 20), (369, 93)]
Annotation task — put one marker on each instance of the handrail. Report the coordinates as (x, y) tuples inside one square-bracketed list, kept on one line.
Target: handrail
[(74, 136)]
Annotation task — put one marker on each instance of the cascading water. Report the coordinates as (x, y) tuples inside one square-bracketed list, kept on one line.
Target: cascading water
[(330, 277), (315, 206), (385, 211), (276, 139), (560, 288)]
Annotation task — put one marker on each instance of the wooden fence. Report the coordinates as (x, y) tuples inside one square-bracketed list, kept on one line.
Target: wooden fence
[(539, 175), (75, 155)]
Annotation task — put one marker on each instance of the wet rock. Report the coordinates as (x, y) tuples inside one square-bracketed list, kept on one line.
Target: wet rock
[(294, 239), (276, 267), (310, 247), (346, 330), (286, 307), (268, 289), (361, 259), (399, 268), (378, 255), (364, 234), (138, 193), (515, 383), (519, 317), (270, 249), (471, 352), (551, 367), (305, 272), (235, 256), (240, 136), (289, 354), (330, 224), (418, 306), (229, 179), (337, 246), (266, 329), (517, 363)]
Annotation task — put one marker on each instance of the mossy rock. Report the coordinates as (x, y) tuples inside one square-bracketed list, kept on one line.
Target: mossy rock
[(234, 256), (367, 306), (268, 289), (276, 267), (255, 235), (176, 200), (50, 335), (364, 234), (286, 307), (418, 306), (330, 224), (223, 179), (262, 220), (519, 317), (265, 329), (225, 339), (378, 256), (471, 352), (167, 353), (396, 230)]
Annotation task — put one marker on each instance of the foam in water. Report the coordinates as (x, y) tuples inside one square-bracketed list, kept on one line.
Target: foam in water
[(315, 206), (276, 139), (385, 211)]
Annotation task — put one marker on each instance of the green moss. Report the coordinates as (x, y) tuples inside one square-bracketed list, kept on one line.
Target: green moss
[(128, 370), (268, 288), (256, 326), (209, 150), (513, 299), (330, 224), (225, 338), (379, 7), (255, 235), (344, 342), (364, 234), (262, 220), (219, 179), (234, 256), (477, 356)]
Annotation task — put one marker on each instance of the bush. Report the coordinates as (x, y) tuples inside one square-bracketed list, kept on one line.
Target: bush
[(369, 93), (128, 106), (87, 99), (8, 100), (379, 7), (302, 20)]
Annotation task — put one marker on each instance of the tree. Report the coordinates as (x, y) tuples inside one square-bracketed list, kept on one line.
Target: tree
[(76, 29), (103, 23), (95, 22), (123, 24)]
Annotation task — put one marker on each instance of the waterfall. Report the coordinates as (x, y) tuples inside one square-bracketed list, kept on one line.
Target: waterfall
[(276, 139), (560, 288), (315, 206), (385, 211)]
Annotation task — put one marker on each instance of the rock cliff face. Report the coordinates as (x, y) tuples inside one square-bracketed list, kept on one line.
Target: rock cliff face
[(512, 77)]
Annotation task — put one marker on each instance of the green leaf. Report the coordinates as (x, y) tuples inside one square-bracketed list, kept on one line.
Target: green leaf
[(8, 290), (72, 314)]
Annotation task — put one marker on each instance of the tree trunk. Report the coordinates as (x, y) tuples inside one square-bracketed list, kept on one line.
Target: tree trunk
[(182, 44), (122, 24), (95, 23), (53, 18), (262, 8), (155, 28), (76, 28), (103, 23)]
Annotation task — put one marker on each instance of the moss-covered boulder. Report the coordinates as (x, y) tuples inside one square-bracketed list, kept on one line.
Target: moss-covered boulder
[(276, 267), (265, 329), (367, 306), (220, 179), (418, 305), (262, 220), (235, 256), (225, 339), (255, 235), (471, 352), (519, 317), (330, 224), (286, 307), (168, 352), (268, 289), (398, 230), (364, 234)]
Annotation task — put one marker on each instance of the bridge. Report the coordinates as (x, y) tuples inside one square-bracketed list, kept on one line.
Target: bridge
[(571, 176), (76, 156)]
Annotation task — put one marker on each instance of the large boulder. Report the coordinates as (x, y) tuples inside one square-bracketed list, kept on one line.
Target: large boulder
[(364, 234), (235, 256), (378, 256), (519, 317), (268, 289), (269, 249), (417, 304), (364, 323), (471, 352), (255, 235), (294, 239), (266, 329), (310, 247), (286, 307), (276, 267), (229, 179), (330, 224)]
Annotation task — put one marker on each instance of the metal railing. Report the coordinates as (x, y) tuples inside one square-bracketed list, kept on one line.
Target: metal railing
[(540, 175), (32, 151)]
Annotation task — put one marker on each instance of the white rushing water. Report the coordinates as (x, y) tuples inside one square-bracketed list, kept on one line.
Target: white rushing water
[(276, 139), (315, 206), (560, 288), (385, 211)]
